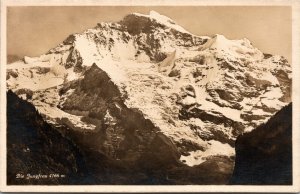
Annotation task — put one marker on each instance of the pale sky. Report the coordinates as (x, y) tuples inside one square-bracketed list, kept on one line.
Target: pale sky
[(32, 31)]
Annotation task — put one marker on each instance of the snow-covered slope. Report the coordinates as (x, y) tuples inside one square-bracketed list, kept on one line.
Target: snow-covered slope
[(200, 92)]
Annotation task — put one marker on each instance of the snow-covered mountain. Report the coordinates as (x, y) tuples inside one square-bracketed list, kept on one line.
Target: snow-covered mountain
[(129, 81)]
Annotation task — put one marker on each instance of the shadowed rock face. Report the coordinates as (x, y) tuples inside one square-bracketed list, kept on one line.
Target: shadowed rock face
[(121, 133), (264, 156)]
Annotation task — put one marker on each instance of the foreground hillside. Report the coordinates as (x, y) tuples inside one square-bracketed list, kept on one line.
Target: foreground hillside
[(34, 147), (264, 156)]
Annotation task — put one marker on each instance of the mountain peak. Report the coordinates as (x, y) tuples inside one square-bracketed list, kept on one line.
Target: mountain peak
[(156, 18), (235, 49)]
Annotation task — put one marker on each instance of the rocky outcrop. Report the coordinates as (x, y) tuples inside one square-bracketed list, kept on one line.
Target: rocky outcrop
[(74, 60), (264, 156)]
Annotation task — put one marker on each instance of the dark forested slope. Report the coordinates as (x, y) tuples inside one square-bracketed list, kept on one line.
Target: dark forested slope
[(264, 156)]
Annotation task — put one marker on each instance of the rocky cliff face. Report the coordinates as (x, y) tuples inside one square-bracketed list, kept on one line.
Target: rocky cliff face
[(121, 88), (264, 156), (121, 133)]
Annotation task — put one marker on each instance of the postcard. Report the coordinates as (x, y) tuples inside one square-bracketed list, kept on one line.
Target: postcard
[(150, 96)]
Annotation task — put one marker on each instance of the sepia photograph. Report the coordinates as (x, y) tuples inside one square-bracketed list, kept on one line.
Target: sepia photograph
[(173, 96)]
